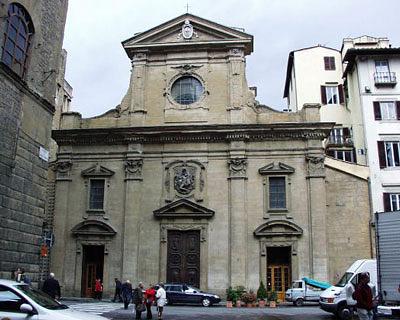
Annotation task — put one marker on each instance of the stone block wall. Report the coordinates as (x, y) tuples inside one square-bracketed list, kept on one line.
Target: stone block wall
[(26, 110)]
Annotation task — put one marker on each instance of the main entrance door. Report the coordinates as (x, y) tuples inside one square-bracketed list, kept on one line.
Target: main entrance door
[(92, 268), (183, 257), (278, 270)]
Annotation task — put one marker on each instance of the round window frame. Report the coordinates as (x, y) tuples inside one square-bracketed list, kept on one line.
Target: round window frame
[(193, 104)]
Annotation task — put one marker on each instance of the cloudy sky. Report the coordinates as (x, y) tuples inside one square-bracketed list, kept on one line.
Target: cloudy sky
[(98, 68)]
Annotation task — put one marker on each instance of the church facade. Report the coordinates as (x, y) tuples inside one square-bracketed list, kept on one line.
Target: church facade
[(191, 180)]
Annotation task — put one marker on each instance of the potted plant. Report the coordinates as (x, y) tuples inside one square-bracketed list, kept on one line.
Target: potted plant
[(261, 295), (249, 298), (272, 298), (231, 297), (239, 292)]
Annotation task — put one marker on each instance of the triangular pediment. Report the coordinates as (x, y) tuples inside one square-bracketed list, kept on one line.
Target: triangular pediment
[(97, 171), (183, 208), (93, 228), (276, 168), (204, 32), (278, 228)]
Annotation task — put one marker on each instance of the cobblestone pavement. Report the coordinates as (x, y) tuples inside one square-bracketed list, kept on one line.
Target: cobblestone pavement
[(115, 311)]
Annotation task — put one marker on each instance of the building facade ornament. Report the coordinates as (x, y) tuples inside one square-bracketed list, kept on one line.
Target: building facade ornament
[(183, 227), (63, 170), (133, 169), (316, 166), (237, 167), (184, 179), (187, 31)]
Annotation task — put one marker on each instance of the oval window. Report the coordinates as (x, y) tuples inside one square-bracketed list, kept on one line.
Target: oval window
[(187, 90)]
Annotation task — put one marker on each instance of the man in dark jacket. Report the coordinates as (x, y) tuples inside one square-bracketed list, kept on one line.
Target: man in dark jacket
[(52, 287), (118, 287), (138, 300), (126, 290), (364, 297)]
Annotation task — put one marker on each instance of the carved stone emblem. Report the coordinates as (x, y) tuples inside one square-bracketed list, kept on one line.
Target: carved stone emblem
[(237, 167), (63, 169), (187, 30), (316, 165), (133, 168), (184, 179)]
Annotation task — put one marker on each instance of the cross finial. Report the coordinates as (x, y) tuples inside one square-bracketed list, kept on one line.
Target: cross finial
[(187, 7)]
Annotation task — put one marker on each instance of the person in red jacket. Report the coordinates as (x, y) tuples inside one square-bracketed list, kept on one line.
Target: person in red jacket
[(98, 289), (363, 296), (150, 296)]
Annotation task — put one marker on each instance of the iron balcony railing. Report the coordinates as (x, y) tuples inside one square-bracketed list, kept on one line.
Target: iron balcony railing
[(385, 78), (340, 140)]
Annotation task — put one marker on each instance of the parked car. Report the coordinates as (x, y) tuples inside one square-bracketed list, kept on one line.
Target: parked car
[(182, 293), (20, 301)]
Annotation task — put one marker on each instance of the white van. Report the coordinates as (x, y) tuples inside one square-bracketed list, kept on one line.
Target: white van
[(333, 299)]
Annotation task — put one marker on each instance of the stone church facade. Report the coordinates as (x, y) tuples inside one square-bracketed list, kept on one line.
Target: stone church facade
[(191, 180)]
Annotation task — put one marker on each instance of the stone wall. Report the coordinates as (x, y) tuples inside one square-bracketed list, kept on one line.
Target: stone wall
[(348, 221), (26, 110)]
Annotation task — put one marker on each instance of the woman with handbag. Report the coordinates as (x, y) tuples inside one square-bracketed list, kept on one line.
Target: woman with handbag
[(150, 295)]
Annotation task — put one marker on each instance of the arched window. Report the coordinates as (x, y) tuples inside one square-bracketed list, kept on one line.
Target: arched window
[(17, 38), (187, 90)]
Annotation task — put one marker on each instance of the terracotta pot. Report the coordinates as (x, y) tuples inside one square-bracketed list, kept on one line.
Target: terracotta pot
[(261, 303), (229, 304), (272, 304), (238, 304)]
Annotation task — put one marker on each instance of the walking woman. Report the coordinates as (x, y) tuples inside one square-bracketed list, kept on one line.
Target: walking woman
[(98, 289), (150, 295), (161, 296), (126, 290)]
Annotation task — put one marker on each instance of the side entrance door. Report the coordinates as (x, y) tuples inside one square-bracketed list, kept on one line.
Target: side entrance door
[(183, 257), (92, 268)]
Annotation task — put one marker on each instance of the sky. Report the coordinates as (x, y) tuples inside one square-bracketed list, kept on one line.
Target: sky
[(98, 68)]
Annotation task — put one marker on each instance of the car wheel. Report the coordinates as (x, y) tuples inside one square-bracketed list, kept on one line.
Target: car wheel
[(343, 312), (299, 302), (206, 302)]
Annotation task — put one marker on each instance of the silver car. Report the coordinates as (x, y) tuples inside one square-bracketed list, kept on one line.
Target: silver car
[(20, 301)]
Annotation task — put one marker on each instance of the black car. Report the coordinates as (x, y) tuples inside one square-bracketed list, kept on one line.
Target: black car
[(182, 293)]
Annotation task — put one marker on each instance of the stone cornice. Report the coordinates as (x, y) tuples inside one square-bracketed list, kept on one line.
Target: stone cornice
[(198, 133)]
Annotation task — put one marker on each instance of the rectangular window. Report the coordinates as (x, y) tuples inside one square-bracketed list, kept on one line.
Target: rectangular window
[(329, 63), (382, 66), (277, 193), (395, 201), (332, 95), (387, 110), (96, 201), (345, 155), (392, 154)]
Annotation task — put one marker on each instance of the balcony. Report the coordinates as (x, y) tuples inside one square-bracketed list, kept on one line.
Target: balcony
[(385, 79), (339, 141)]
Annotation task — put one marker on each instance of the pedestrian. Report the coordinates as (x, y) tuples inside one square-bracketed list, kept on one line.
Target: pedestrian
[(126, 290), (363, 296), (161, 297), (150, 296), (118, 287), (52, 287), (98, 289), (17, 275), (24, 277), (138, 300)]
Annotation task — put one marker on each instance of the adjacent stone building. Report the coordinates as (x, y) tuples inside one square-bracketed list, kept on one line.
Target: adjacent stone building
[(191, 180), (31, 41)]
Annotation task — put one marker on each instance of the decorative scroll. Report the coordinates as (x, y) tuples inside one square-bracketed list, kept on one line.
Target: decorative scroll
[(316, 165), (63, 169)]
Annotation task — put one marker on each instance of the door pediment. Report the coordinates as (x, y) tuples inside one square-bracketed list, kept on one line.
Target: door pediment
[(278, 228), (276, 168), (93, 228), (199, 31), (183, 208)]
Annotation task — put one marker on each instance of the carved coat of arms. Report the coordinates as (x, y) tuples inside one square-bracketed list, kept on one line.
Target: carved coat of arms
[(184, 179)]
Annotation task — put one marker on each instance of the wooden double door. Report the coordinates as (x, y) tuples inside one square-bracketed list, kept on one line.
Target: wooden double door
[(183, 257), (278, 280)]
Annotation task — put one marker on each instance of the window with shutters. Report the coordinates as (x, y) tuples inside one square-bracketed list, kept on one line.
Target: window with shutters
[(332, 94), (329, 63), (391, 201), (389, 153), (387, 110), (17, 39)]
